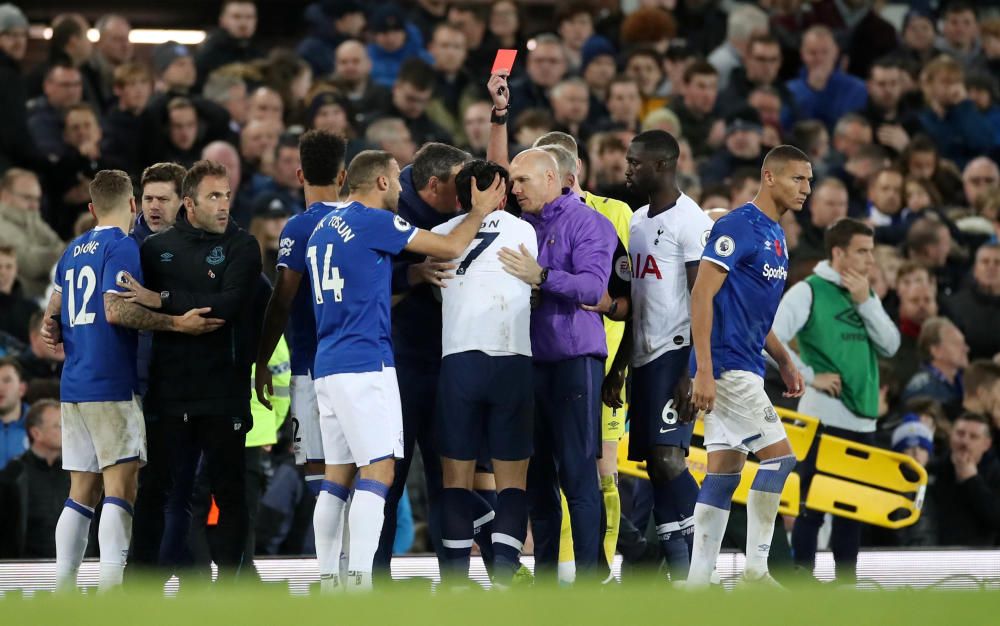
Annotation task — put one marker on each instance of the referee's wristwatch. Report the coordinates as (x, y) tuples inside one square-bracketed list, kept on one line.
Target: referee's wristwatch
[(498, 118), (544, 276), (164, 298)]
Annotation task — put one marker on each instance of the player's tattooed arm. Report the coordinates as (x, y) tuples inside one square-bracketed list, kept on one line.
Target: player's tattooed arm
[(130, 315)]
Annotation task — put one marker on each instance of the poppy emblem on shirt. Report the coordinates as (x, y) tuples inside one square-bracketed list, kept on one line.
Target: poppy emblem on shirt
[(777, 247)]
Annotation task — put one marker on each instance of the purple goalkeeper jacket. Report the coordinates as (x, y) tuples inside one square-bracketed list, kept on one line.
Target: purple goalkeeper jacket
[(576, 243)]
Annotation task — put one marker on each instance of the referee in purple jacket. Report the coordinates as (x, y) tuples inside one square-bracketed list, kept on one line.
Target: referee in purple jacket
[(575, 247)]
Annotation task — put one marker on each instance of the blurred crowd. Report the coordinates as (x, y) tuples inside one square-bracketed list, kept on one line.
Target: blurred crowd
[(895, 105)]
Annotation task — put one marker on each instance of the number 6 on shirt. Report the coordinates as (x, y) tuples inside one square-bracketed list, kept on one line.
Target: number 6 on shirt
[(329, 279)]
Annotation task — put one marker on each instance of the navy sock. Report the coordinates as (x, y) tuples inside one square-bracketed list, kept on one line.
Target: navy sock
[(510, 527), (670, 534), (482, 526), (456, 531), (684, 492)]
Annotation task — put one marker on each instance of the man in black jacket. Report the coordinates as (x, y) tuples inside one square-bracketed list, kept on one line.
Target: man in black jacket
[(967, 490), (233, 41), (199, 388)]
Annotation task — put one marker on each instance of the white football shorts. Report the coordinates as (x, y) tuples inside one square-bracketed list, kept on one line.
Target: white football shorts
[(743, 417), (361, 417), (307, 439), (97, 435)]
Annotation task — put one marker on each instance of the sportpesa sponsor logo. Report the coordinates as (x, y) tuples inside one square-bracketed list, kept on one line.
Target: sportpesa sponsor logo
[(779, 273)]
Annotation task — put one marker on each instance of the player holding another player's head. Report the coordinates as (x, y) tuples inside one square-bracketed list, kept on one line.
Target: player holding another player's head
[(348, 256), (745, 261), (373, 180)]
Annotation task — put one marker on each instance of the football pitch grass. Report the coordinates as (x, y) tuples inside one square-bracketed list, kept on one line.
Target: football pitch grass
[(638, 603)]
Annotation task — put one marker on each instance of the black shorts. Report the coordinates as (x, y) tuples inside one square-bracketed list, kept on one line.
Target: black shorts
[(485, 403), (652, 420)]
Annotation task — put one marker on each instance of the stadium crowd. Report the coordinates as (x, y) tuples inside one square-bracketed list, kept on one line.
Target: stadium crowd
[(899, 117)]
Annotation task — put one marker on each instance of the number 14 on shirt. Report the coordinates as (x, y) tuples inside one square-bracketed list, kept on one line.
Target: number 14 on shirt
[(327, 280)]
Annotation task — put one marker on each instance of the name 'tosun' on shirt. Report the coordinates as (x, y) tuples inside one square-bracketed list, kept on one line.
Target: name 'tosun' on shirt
[(349, 258)]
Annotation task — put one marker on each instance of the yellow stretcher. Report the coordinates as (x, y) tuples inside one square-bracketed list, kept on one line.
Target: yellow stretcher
[(856, 481)]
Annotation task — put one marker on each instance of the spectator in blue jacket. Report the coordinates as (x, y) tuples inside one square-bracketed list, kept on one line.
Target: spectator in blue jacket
[(945, 355), (394, 41), (822, 91), (950, 118), (13, 409), (331, 23)]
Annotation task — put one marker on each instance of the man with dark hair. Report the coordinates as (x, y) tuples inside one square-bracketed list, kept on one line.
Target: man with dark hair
[(38, 363), (745, 260), (761, 66), (666, 242), (486, 365), (13, 433), (960, 35), (15, 308), (207, 261), (233, 41), (981, 392), (886, 110), (428, 199), (161, 199), (967, 486), (842, 331), (701, 89), (976, 307), (62, 89), (283, 182), (322, 176), (33, 488), (411, 94), (827, 206), (104, 441)]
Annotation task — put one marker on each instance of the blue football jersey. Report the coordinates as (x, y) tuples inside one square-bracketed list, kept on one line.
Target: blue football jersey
[(751, 247), (350, 262), (100, 357), (292, 255)]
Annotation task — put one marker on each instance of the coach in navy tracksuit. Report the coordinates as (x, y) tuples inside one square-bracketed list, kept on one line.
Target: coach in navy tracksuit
[(427, 200)]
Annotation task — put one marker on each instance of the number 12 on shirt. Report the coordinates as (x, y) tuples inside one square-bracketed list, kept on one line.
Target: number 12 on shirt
[(327, 280)]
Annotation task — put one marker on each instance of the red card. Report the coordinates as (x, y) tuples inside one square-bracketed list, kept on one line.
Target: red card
[(504, 61)]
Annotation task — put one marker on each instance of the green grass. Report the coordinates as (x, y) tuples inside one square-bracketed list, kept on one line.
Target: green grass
[(639, 604)]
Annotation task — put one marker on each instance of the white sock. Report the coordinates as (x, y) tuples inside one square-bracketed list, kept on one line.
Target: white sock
[(762, 508), (72, 532), (345, 539), (114, 535), (566, 570), (327, 522), (366, 519), (709, 528)]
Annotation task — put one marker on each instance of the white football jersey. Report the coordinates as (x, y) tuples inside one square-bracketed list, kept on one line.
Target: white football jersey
[(660, 247), (484, 307)]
